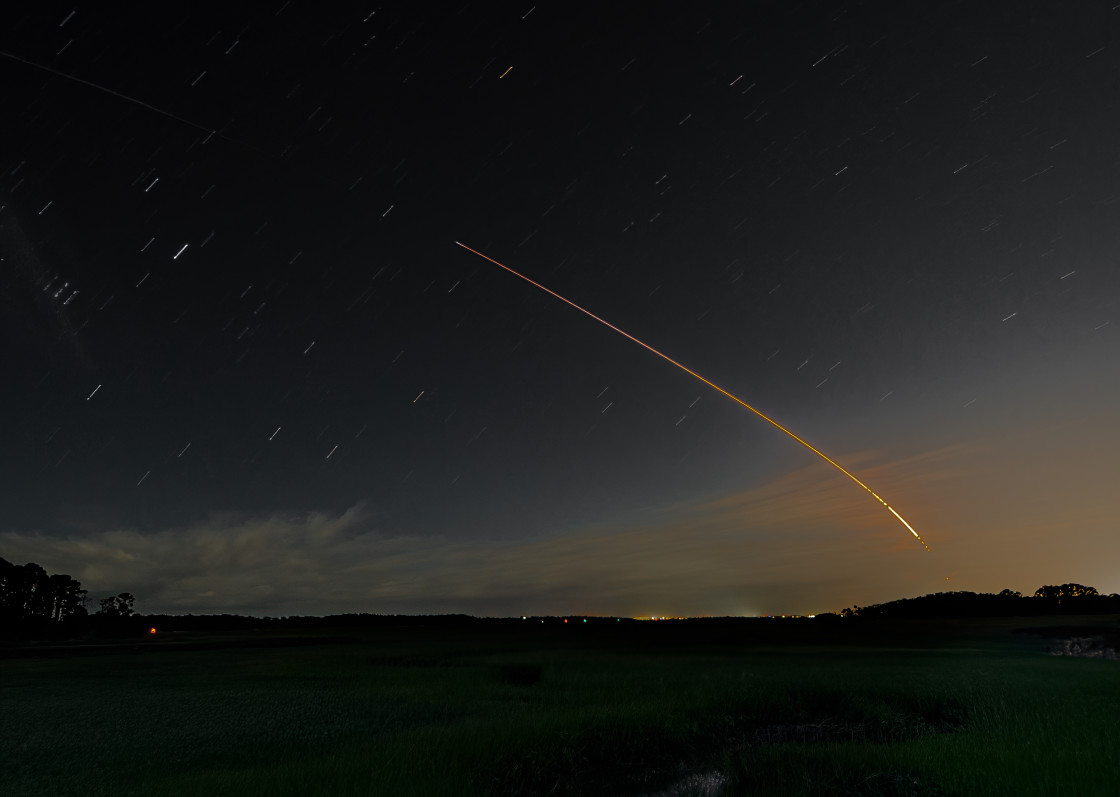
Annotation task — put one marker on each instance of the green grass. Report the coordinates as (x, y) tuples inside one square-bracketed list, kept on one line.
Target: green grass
[(1024, 726), (502, 711)]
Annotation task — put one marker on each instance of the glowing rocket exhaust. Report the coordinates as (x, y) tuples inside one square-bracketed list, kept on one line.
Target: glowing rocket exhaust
[(712, 385)]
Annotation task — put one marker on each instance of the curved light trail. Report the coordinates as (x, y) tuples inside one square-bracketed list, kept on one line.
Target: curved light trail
[(712, 385)]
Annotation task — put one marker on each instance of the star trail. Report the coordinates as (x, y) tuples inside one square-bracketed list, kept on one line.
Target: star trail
[(244, 369)]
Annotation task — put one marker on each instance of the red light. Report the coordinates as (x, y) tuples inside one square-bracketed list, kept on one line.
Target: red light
[(151, 630)]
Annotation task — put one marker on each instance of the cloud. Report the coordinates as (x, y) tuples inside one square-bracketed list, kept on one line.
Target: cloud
[(807, 541), (225, 563), (744, 553)]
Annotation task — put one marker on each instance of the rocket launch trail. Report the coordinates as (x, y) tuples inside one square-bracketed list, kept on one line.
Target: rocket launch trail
[(712, 385)]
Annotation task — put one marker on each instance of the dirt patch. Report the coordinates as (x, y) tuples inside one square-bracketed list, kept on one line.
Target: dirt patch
[(696, 784), (1091, 647), (1094, 642)]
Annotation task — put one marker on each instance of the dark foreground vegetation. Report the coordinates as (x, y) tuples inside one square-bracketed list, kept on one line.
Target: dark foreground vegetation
[(862, 705), (956, 693)]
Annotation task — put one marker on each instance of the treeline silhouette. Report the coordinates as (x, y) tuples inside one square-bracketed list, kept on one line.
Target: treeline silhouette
[(1049, 599), (36, 605)]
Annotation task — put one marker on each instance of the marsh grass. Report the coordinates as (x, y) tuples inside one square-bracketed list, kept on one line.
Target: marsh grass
[(501, 713), (985, 725)]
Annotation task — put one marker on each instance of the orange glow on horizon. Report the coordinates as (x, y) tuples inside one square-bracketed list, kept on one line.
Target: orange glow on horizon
[(710, 384)]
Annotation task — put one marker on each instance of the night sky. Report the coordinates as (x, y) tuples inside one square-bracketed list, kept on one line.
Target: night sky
[(245, 368)]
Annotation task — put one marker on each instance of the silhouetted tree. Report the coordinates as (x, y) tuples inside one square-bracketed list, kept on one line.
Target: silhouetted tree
[(117, 605), (1065, 592), (24, 591), (33, 603), (68, 599), (28, 593)]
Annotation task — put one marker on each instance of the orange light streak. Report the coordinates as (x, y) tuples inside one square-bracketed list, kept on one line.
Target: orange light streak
[(712, 385)]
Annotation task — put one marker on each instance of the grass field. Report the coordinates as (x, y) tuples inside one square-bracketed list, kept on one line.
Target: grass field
[(916, 709)]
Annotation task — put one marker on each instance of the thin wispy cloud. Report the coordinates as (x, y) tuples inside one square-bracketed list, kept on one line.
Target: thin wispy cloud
[(785, 546)]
